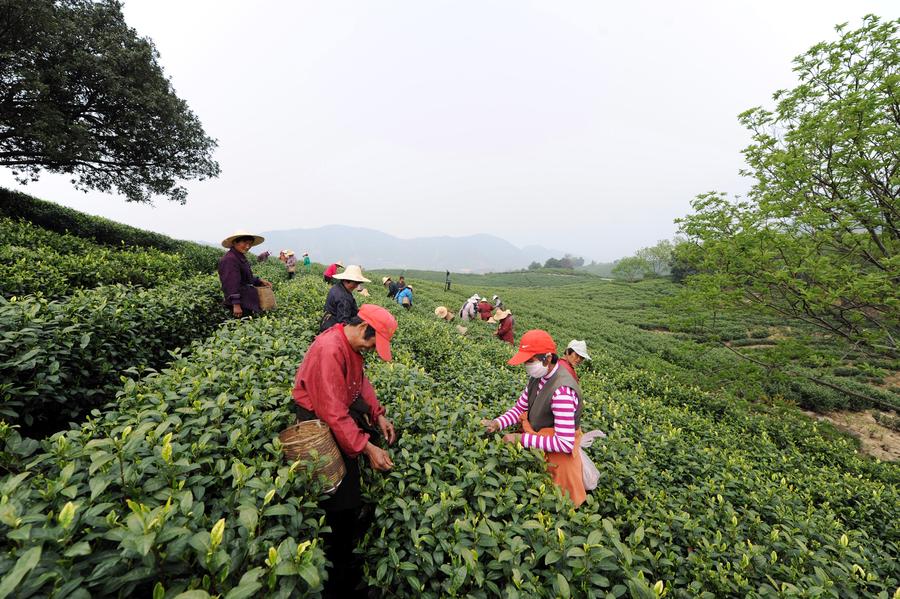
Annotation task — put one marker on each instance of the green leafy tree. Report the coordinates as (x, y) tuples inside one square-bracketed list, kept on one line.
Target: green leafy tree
[(82, 94), (658, 257), (681, 261), (631, 269), (818, 237), (534, 265)]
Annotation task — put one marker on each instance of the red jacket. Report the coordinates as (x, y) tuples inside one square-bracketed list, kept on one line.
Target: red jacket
[(567, 366), (505, 330), (485, 309), (331, 270), (328, 380)]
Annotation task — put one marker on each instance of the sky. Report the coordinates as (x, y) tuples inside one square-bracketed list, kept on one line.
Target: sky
[(586, 126)]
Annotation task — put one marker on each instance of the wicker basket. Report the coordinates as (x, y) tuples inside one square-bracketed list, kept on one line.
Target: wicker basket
[(303, 438), (266, 298)]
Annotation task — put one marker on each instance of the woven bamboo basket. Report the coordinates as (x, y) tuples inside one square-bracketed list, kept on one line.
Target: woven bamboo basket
[(266, 298), (300, 440)]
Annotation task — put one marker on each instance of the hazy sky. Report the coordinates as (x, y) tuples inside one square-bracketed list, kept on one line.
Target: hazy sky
[(585, 126)]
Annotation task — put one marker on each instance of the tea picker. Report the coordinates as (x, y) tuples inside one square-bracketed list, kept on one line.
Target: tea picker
[(239, 285), (331, 389)]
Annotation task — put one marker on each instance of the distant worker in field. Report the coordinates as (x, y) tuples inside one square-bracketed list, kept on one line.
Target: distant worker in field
[(549, 409), (235, 276), (331, 386), (498, 303), (282, 256), (264, 256), (332, 269), (340, 305), (447, 282), (404, 297), (391, 286), (575, 354), (507, 322), (291, 263), (401, 283), (469, 311), (484, 308), (307, 263)]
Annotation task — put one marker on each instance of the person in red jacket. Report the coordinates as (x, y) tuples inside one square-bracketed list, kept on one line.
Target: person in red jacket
[(505, 330), (329, 273), (484, 308), (331, 386)]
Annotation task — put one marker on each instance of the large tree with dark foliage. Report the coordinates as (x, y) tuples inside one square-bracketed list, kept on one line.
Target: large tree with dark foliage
[(81, 93)]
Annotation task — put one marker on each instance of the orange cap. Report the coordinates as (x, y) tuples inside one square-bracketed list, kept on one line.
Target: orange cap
[(532, 343), (384, 324)]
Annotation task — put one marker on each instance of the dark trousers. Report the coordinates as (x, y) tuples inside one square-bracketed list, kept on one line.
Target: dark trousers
[(290, 274), (448, 286), (344, 515)]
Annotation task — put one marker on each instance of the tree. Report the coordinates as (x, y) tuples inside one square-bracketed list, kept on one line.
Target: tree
[(817, 239), (534, 265), (681, 263), (82, 94), (657, 257), (631, 269)]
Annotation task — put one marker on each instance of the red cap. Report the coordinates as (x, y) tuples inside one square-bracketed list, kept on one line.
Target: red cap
[(532, 343), (384, 324)]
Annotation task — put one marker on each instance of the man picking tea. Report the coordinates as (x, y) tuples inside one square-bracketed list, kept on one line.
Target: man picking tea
[(331, 386)]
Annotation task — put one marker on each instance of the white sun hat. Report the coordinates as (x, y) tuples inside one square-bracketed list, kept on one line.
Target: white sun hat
[(579, 347), (352, 273), (229, 241)]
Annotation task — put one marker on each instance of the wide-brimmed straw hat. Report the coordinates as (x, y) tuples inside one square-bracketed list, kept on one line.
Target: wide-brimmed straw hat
[(229, 241), (385, 280), (340, 263), (363, 292), (352, 273), (500, 314), (289, 253), (443, 313)]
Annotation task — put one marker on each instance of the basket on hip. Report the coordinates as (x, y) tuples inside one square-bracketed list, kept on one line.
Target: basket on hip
[(266, 298), (312, 439)]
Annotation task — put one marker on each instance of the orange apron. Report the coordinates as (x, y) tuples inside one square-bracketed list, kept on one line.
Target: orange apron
[(564, 468)]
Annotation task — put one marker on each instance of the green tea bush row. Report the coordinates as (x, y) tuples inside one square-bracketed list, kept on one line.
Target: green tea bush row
[(60, 219), (178, 487), (59, 359), (697, 493), (35, 260)]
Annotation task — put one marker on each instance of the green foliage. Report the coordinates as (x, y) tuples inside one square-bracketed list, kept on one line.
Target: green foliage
[(657, 257), (60, 219), (180, 487), (36, 260), (632, 269), (818, 239), (82, 94), (59, 359)]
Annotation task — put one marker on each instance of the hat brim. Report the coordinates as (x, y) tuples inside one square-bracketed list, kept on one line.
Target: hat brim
[(383, 347), (521, 357), (344, 277), (228, 242)]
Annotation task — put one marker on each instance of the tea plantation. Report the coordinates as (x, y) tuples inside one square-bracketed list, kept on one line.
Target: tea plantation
[(180, 486), (171, 483)]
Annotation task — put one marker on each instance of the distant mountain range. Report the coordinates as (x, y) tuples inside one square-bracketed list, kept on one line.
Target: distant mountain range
[(375, 250)]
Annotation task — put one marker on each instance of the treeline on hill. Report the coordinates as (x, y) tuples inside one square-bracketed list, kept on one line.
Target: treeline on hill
[(86, 301), (181, 486)]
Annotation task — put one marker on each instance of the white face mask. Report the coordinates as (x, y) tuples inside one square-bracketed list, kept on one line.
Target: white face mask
[(536, 369)]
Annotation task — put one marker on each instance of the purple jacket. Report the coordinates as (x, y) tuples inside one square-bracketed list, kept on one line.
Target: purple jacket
[(238, 281)]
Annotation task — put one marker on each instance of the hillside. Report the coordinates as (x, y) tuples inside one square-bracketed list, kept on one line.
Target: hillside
[(374, 249)]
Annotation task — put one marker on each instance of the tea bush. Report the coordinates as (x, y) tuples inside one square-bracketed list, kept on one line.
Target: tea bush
[(35, 260), (60, 219)]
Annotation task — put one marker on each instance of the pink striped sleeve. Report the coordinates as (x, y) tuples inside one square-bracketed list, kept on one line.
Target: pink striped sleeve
[(512, 416), (563, 404)]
